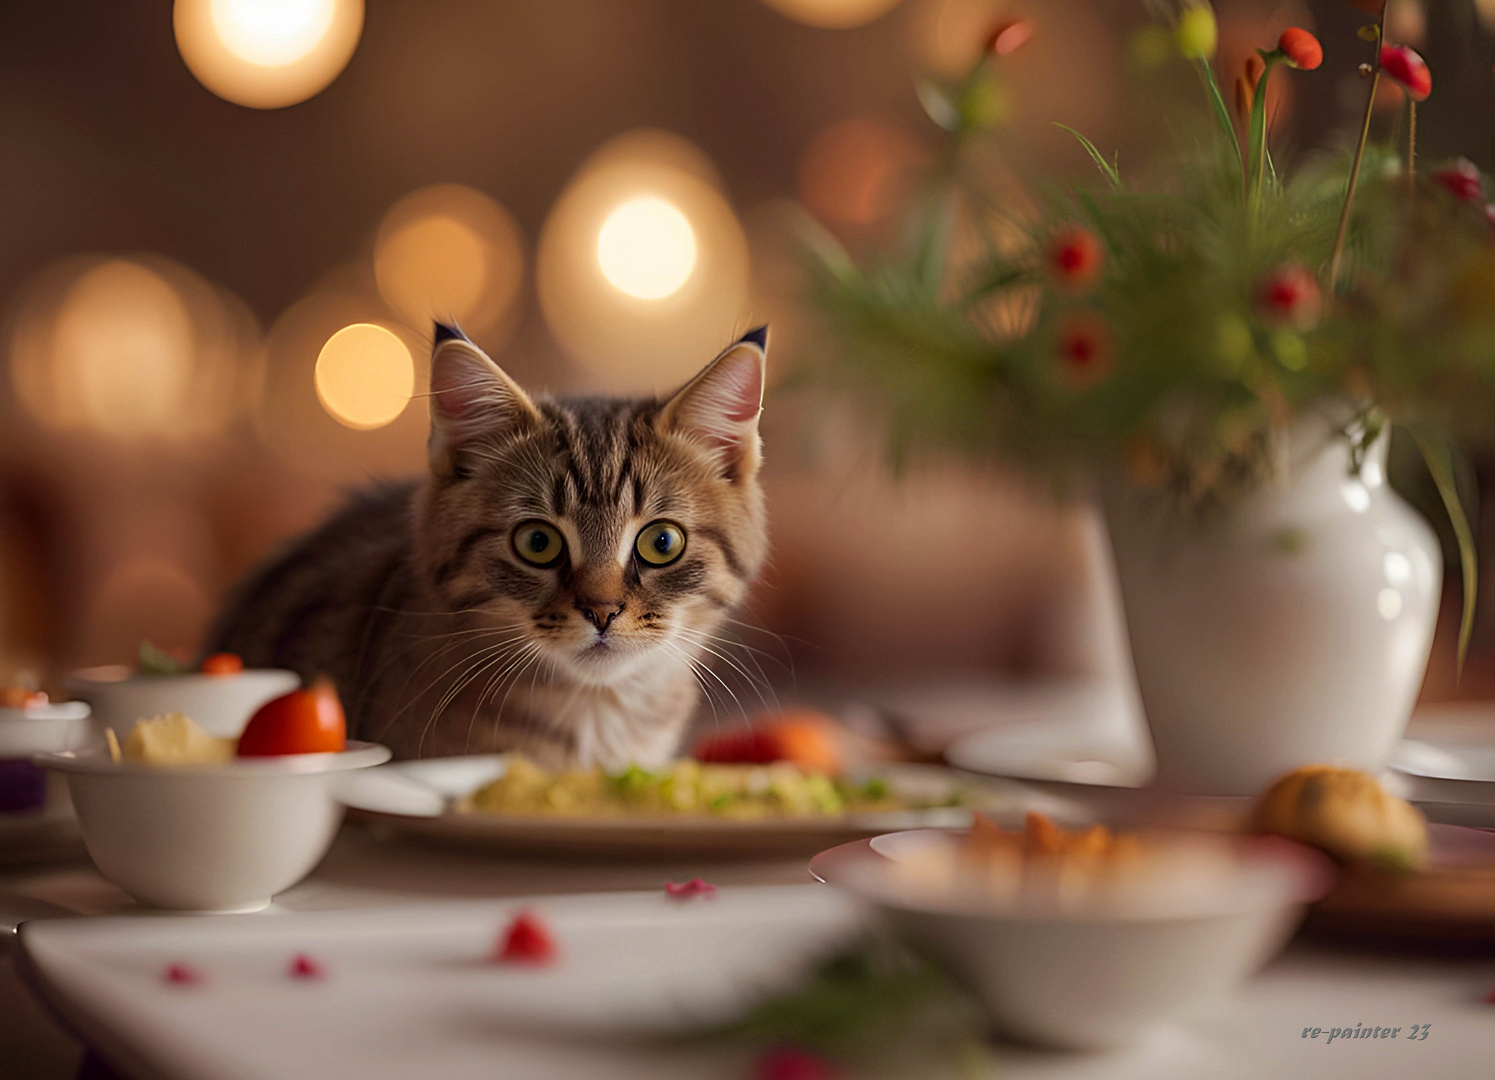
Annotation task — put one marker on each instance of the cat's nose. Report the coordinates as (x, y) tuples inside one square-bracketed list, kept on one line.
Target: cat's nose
[(600, 613)]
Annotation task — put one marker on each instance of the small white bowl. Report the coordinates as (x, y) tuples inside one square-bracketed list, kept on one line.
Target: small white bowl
[(209, 837), (220, 704), (57, 725), (1091, 979)]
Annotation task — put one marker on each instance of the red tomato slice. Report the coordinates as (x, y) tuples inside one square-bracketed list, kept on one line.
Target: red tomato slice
[(308, 721)]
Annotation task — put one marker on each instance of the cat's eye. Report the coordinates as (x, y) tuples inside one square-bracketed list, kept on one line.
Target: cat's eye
[(539, 543), (660, 543)]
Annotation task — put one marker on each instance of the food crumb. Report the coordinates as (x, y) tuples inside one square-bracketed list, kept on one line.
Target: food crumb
[(182, 974), (526, 941), (683, 890), (304, 967)]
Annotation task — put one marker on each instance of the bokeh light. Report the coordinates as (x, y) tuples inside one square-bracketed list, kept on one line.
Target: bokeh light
[(312, 412), (130, 347), (647, 248), (832, 14), (859, 171), (267, 54), (638, 312), (365, 376), (450, 252)]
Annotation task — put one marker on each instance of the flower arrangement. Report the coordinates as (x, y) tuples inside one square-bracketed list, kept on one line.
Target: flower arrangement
[(1174, 331)]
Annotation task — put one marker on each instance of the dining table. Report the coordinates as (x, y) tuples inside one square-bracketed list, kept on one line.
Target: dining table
[(1277, 1025)]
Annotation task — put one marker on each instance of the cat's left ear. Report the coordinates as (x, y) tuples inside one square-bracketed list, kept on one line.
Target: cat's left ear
[(720, 406)]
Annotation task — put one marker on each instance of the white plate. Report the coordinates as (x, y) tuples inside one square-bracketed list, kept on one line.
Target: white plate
[(409, 992), (1446, 767), (452, 778)]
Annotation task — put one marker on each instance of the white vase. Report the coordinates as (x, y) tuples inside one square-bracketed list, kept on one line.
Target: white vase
[(1293, 629)]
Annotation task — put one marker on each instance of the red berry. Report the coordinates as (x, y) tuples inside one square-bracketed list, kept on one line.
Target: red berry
[(526, 941), (1289, 296), (1301, 48), (1408, 68), (304, 967), (1463, 181), (1084, 346), (1075, 258)]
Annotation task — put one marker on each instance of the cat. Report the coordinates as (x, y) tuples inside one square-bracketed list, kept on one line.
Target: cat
[(549, 587)]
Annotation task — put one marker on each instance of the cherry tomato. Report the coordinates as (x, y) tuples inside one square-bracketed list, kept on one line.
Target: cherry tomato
[(223, 663), (306, 721), (801, 736)]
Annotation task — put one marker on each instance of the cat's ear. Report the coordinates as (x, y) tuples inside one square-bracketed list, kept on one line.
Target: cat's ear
[(719, 407), (471, 398)]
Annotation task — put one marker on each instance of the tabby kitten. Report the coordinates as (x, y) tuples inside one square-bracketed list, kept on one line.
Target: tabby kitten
[(548, 587)]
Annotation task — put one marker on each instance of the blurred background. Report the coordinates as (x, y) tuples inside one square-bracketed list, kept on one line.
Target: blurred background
[(228, 225)]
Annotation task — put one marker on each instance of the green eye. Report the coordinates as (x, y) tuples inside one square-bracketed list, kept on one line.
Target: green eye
[(539, 543), (660, 543)]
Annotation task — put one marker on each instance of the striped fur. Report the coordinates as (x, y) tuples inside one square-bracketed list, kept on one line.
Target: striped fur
[(442, 639)]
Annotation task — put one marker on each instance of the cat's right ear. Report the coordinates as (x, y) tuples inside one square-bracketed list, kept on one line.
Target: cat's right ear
[(471, 398)]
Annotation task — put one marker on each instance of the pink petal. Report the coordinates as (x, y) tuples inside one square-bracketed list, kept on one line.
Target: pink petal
[(693, 887)]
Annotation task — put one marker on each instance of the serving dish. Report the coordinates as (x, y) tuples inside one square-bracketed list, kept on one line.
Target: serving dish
[(1091, 976), (449, 780), (220, 704), (224, 837)]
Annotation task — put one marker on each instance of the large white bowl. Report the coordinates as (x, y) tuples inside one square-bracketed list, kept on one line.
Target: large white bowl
[(209, 837), (220, 704), (1093, 980)]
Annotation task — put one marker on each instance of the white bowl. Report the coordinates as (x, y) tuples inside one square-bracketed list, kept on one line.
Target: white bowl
[(209, 837), (57, 725), (1091, 979), (220, 704)]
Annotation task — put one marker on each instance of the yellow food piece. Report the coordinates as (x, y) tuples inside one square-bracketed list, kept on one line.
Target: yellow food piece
[(748, 792), (173, 739), (1345, 813)]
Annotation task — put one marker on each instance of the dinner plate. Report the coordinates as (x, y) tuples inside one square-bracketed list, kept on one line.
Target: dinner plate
[(413, 992), (683, 834), (1446, 767)]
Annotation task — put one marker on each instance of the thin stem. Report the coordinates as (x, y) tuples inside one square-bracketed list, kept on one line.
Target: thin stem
[(1349, 195), (1411, 147)]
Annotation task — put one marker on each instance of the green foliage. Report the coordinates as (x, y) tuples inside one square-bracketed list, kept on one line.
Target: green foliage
[(872, 993)]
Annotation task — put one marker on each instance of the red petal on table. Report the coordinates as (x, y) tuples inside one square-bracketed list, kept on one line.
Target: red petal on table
[(182, 974), (788, 1063), (694, 887), (304, 967), (526, 941)]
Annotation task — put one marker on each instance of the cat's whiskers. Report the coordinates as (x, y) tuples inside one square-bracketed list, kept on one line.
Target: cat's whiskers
[(410, 702), (483, 660), (758, 685), (519, 660)]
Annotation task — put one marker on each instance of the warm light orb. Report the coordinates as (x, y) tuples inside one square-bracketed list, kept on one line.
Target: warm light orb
[(646, 248), (267, 54), (451, 253), (365, 376), (642, 268), (271, 33), (832, 14)]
